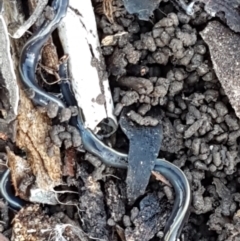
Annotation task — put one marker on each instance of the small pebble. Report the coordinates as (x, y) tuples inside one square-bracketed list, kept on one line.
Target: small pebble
[(134, 213), (65, 114), (111, 222), (126, 221), (52, 110)]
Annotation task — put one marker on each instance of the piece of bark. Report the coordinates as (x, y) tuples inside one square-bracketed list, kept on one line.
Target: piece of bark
[(114, 200), (32, 132), (224, 46)]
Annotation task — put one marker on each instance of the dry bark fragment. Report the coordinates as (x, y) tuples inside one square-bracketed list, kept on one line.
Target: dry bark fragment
[(224, 46), (108, 10), (33, 129), (49, 56)]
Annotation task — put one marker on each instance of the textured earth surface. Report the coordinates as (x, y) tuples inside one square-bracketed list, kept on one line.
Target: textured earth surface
[(185, 68)]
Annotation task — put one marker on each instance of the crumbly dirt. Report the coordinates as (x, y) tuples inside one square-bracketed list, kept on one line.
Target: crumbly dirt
[(166, 64)]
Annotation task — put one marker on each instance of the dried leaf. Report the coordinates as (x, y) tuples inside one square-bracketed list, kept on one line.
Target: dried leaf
[(83, 46)]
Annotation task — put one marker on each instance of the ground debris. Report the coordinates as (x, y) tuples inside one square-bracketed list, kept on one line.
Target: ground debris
[(31, 223), (148, 221), (227, 229), (91, 201), (226, 197), (115, 200), (171, 143)]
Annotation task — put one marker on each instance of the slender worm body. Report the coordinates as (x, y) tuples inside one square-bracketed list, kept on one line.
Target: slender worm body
[(116, 159), (31, 53), (91, 143)]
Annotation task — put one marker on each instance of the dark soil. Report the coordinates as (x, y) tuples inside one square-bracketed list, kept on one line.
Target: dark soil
[(164, 63), (160, 64)]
